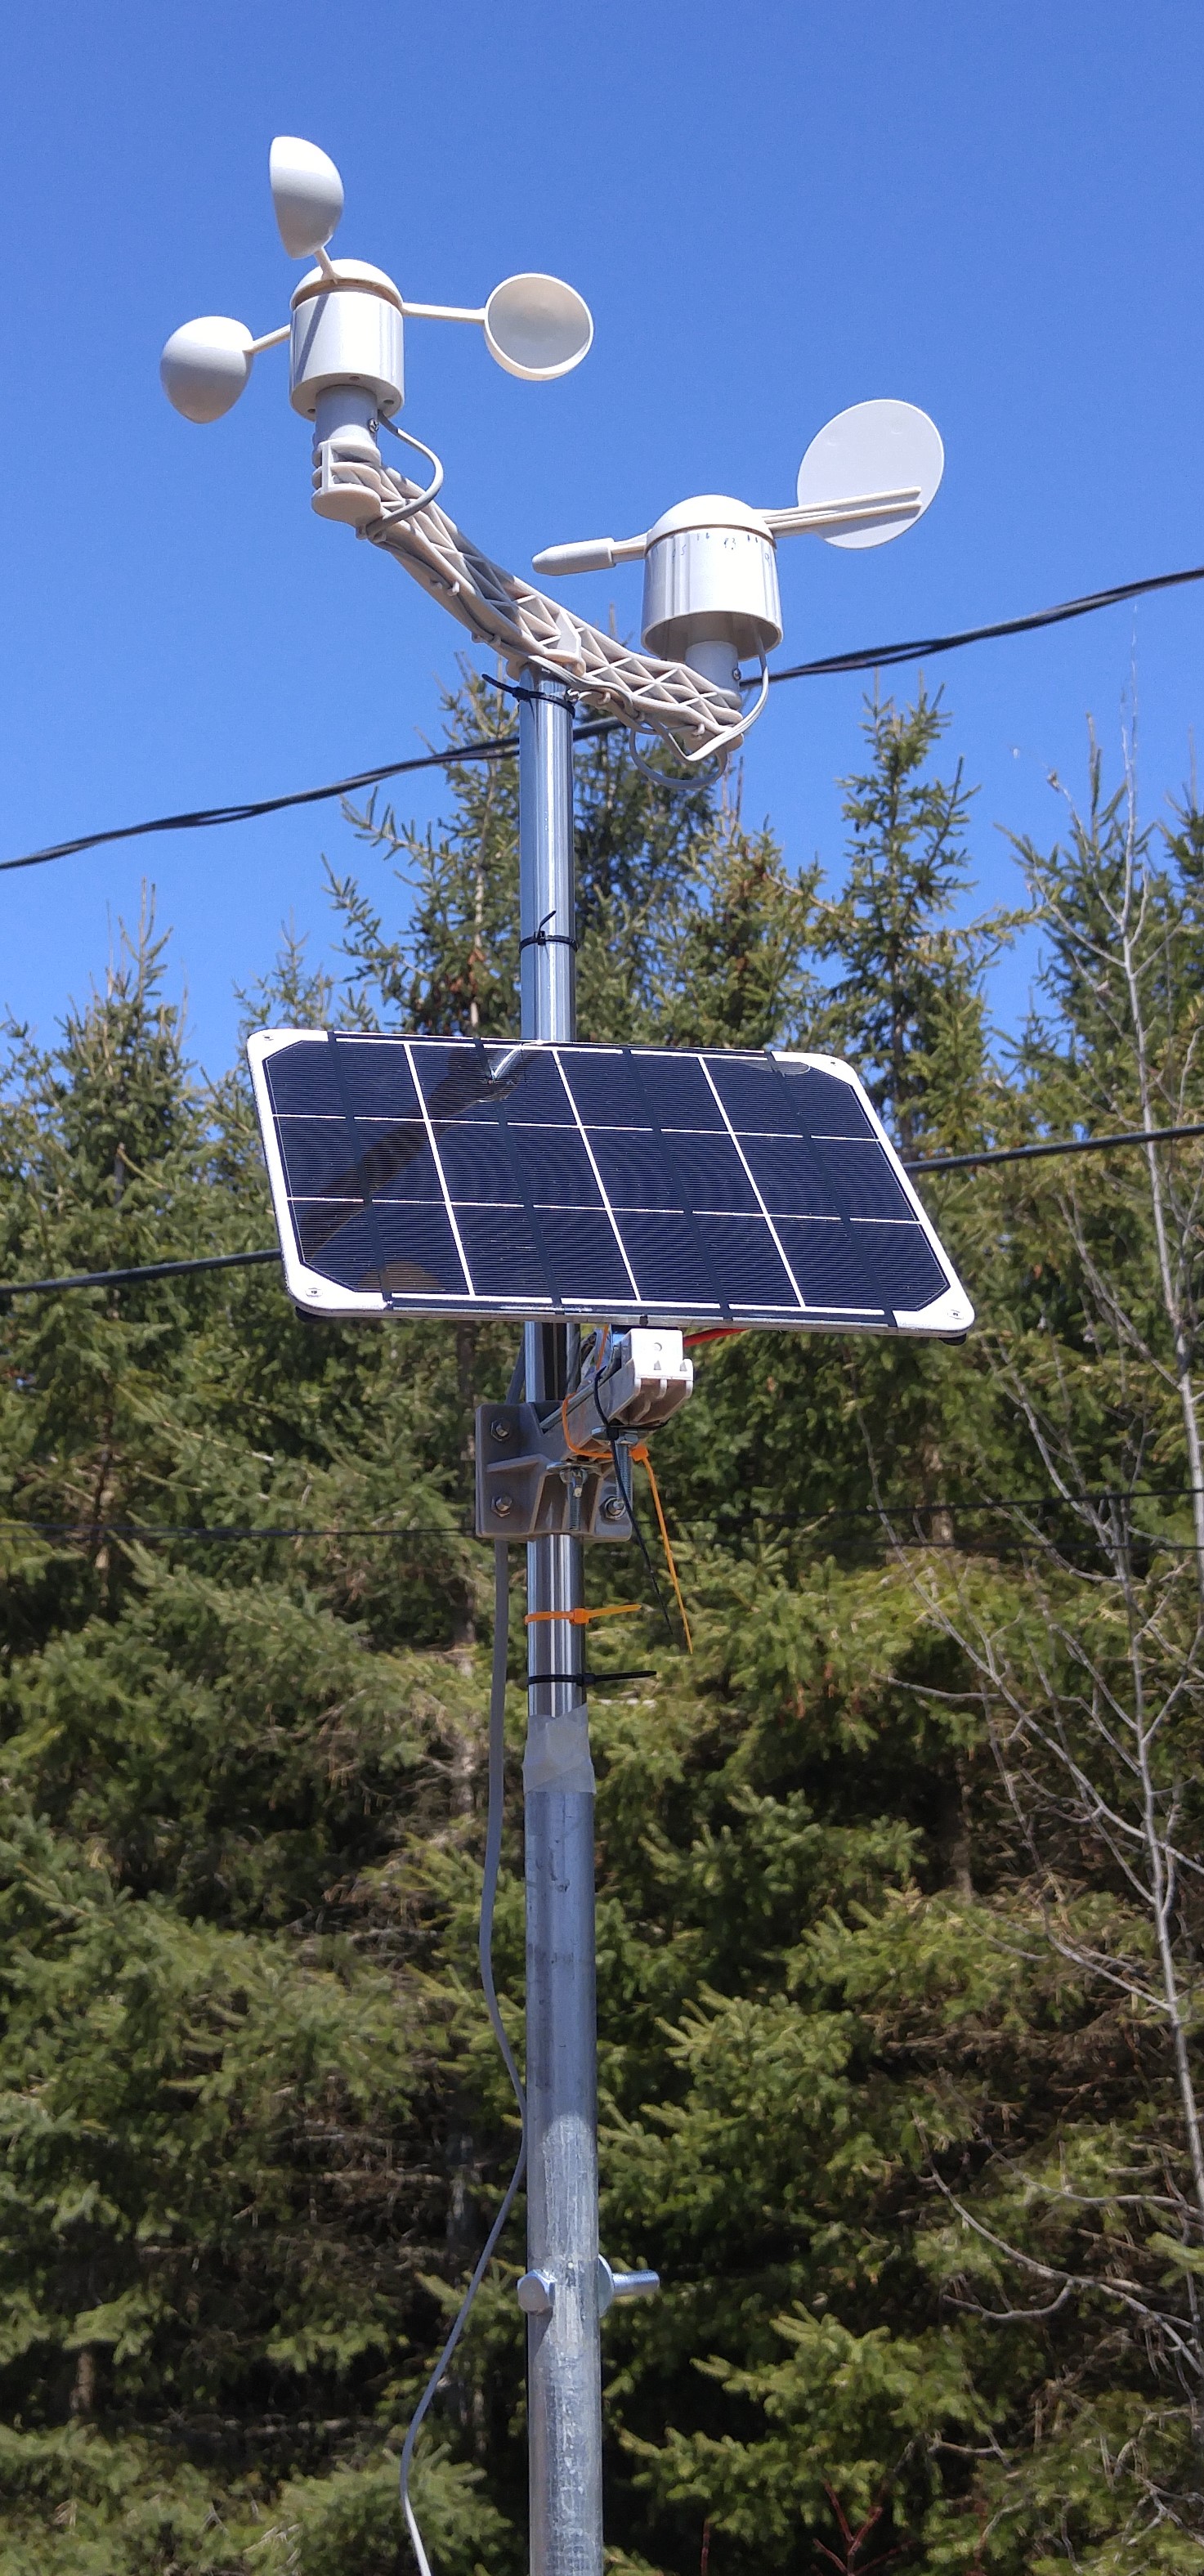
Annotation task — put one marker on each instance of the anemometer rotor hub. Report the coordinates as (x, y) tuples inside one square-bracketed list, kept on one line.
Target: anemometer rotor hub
[(347, 333), (711, 587)]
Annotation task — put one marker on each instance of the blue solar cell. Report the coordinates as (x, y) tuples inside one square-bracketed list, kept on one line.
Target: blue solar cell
[(788, 1174), (862, 1265), (609, 1089), (710, 1173), (552, 1167), (585, 1259), (676, 1093), (529, 1088), (502, 1253), (316, 1153), (456, 1082), (744, 1262), (301, 1080), (820, 1103), (476, 1164), (371, 1078), (635, 1170), (856, 1180), (393, 1249), (386, 1159), (670, 1262), (318, 1222), (752, 1093)]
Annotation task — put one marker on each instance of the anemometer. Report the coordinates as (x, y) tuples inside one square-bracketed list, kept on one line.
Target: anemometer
[(711, 598), (600, 1196)]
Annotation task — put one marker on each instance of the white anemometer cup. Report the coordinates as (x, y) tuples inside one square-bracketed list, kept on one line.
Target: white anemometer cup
[(347, 339)]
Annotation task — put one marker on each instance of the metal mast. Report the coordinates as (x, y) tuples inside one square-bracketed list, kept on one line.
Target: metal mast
[(560, 2292), (710, 602)]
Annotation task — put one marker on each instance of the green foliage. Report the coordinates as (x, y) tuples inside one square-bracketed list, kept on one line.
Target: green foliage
[(897, 2050)]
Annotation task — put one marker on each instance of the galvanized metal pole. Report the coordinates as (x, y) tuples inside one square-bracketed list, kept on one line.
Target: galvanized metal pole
[(561, 2289)]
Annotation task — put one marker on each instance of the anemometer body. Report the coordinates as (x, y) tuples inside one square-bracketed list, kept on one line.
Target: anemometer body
[(711, 595)]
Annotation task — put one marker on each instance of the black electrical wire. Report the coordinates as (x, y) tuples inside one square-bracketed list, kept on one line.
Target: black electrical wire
[(495, 747), (1060, 1145), (876, 657), (937, 1163), (883, 657), (230, 1534), (139, 1270)]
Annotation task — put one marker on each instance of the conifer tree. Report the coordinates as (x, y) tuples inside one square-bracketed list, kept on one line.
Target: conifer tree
[(252, 2113)]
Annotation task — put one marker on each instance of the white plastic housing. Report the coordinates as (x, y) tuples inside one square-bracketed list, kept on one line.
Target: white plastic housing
[(205, 366), (350, 333), (307, 194), (711, 579)]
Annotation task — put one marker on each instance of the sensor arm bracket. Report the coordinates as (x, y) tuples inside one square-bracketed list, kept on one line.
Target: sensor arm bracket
[(512, 618)]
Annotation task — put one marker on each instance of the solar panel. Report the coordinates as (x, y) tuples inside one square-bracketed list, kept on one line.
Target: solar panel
[(460, 1176)]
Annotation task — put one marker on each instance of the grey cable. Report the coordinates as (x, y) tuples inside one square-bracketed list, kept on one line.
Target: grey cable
[(493, 1854)]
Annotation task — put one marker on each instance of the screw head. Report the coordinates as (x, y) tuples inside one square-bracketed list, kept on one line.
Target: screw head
[(500, 1430), (613, 1509), (503, 1505)]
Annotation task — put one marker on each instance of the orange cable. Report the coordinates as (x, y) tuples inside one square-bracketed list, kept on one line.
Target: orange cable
[(641, 1454), (581, 1618), (595, 1454)]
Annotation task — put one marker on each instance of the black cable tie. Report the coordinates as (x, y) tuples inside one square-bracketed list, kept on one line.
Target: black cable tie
[(545, 938), (535, 1681)]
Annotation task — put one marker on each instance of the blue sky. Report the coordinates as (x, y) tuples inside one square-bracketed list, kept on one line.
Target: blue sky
[(992, 211)]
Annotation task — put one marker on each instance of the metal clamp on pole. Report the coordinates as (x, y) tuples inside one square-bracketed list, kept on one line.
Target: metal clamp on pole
[(543, 1472)]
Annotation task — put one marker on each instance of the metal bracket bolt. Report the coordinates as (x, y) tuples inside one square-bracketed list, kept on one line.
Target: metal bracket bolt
[(536, 2294), (623, 2285), (537, 2290)]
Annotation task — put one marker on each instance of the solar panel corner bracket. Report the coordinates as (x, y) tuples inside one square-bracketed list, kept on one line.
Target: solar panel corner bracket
[(528, 1488), (948, 1318)]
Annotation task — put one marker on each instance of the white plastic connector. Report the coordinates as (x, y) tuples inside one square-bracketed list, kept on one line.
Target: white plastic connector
[(645, 1377)]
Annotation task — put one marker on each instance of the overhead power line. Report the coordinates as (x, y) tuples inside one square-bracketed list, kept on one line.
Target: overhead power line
[(938, 1163), (204, 819), (1062, 1145), (881, 657), (236, 1534), (869, 657), (138, 1270)]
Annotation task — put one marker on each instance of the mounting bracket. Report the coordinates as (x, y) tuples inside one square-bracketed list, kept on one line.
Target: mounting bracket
[(529, 1485), (543, 1478)]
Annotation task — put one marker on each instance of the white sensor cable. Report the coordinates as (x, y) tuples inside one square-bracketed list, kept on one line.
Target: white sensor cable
[(493, 1855), (409, 506), (727, 742)]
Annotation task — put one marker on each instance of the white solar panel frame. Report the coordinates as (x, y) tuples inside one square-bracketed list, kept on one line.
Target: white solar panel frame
[(947, 1316)]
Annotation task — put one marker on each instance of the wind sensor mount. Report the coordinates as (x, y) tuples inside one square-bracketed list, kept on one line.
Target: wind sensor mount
[(711, 595)]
